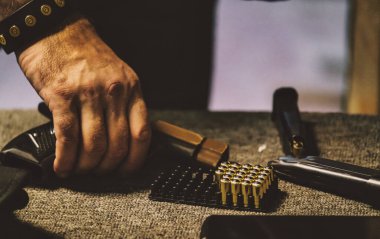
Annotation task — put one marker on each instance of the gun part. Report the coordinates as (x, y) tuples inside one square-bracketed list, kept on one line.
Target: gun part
[(189, 144), (35, 147), (287, 118), (328, 175)]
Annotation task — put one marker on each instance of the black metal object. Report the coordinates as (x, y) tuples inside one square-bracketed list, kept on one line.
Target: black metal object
[(187, 184), (33, 149), (287, 118), (294, 227), (336, 177)]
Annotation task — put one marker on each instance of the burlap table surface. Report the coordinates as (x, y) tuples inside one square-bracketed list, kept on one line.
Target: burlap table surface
[(121, 209)]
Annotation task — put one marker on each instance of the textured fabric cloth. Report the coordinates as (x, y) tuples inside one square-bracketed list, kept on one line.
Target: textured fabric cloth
[(112, 208)]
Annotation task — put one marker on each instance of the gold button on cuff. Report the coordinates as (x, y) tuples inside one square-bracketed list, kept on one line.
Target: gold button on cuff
[(3, 41), (30, 21), (46, 10), (14, 31), (60, 3)]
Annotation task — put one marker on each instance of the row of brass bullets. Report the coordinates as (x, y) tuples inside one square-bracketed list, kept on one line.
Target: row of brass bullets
[(246, 180)]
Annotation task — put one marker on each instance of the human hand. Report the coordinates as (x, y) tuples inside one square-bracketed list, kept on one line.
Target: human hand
[(100, 118)]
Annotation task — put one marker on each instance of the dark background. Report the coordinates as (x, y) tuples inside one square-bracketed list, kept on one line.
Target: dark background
[(169, 44)]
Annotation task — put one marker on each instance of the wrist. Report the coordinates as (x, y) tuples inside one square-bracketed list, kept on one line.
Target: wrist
[(63, 34), (65, 39)]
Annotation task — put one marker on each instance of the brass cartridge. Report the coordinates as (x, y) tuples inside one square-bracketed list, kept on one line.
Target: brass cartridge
[(258, 167), (218, 176), (247, 167), (246, 191), (225, 164), (237, 178), (227, 176), (254, 171), (250, 177), (269, 178), (225, 185), (223, 168), (256, 190), (246, 181), (235, 190), (240, 174), (231, 171), (234, 165), (263, 178), (270, 171), (261, 187)]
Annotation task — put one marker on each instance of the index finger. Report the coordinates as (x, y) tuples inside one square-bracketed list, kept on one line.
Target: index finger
[(66, 127)]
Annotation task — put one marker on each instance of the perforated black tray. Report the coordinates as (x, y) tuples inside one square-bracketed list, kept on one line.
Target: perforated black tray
[(186, 184)]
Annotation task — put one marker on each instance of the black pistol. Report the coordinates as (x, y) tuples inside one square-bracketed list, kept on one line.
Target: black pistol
[(302, 167), (33, 150)]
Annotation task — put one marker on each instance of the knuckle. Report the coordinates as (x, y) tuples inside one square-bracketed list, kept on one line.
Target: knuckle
[(32, 73), (89, 90), (132, 76), (66, 128), (67, 139), (129, 73), (142, 135), (58, 100), (115, 87), (44, 93), (124, 80), (65, 92), (96, 144), (133, 81)]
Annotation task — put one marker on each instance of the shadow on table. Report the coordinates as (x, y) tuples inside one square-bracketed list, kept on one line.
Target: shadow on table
[(112, 183), (11, 227), (160, 162)]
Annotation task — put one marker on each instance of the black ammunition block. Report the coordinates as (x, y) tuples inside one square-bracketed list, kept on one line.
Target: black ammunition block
[(230, 186)]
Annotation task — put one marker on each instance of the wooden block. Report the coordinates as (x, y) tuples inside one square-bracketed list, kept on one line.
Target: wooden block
[(364, 86)]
